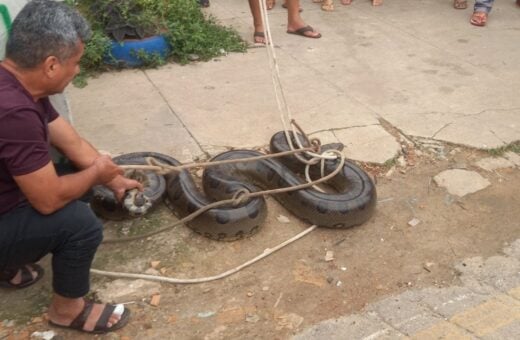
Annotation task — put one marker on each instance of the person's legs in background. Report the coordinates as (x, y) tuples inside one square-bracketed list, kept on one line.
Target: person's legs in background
[(480, 12)]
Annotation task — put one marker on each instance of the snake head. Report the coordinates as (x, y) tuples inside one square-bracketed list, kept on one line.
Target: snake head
[(136, 203)]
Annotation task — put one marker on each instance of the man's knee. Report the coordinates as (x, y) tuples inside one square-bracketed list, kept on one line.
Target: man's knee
[(84, 224)]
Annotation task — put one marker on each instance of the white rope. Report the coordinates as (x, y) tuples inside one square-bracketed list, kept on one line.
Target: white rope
[(266, 253), (283, 108)]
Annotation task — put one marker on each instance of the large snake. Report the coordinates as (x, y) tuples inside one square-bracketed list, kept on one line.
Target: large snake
[(351, 204)]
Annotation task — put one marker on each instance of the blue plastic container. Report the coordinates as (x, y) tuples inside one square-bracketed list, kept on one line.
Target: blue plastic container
[(124, 53)]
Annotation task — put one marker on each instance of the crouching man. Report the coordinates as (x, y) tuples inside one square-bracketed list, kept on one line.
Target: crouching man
[(39, 211)]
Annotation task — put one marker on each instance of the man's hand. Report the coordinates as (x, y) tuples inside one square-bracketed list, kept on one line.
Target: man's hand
[(120, 184), (106, 169)]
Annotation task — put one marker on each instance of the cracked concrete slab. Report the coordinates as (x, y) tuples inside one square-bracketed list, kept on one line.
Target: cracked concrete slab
[(461, 182), (494, 163), (368, 143)]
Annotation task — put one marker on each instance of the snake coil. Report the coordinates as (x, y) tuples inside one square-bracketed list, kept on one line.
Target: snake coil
[(352, 202)]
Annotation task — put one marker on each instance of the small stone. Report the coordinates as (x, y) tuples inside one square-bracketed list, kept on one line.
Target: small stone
[(253, 318), (330, 279), (344, 268), (401, 161), (37, 319), (265, 288), (8, 323), (249, 294), (414, 222), (283, 219), (193, 57), (461, 182), (329, 256), (339, 283), (155, 264), (47, 335), (390, 172), (156, 300), (205, 314)]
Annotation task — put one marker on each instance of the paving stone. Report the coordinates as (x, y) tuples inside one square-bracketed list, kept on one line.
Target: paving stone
[(452, 300), (461, 182), (350, 327), (510, 331), (488, 317), (405, 313), (443, 330), (498, 271), (494, 163)]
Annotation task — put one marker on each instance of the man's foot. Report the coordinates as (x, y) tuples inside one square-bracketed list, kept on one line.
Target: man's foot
[(346, 2), (460, 4), (306, 31), (89, 317), (259, 38), (21, 277), (269, 4), (478, 18), (377, 2)]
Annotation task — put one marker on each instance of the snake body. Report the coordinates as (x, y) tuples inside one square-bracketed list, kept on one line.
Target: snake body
[(351, 205), (352, 202)]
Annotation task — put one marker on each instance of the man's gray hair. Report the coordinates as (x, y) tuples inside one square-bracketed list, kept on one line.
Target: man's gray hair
[(45, 28)]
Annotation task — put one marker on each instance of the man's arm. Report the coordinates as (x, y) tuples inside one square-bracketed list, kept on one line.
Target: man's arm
[(48, 192), (69, 142), (83, 154)]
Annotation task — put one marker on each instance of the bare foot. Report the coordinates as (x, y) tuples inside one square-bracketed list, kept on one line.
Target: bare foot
[(269, 4), (478, 18), (259, 38), (346, 2), (460, 4), (377, 2), (327, 5)]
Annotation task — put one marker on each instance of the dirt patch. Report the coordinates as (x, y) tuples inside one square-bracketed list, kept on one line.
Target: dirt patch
[(296, 287)]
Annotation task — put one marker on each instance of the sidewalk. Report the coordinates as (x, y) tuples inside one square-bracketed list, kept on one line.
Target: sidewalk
[(420, 67)]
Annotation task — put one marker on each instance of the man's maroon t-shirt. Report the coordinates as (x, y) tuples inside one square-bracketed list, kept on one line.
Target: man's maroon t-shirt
[(24, 137)]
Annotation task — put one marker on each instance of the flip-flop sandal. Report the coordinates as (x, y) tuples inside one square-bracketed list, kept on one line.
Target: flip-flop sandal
[(27, 279), (303, 30), (259, 35), (460, 4), (478, 19), (299, 10), (101, 325)]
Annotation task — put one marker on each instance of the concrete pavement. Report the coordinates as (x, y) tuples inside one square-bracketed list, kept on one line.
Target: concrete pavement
[(418, 65)]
